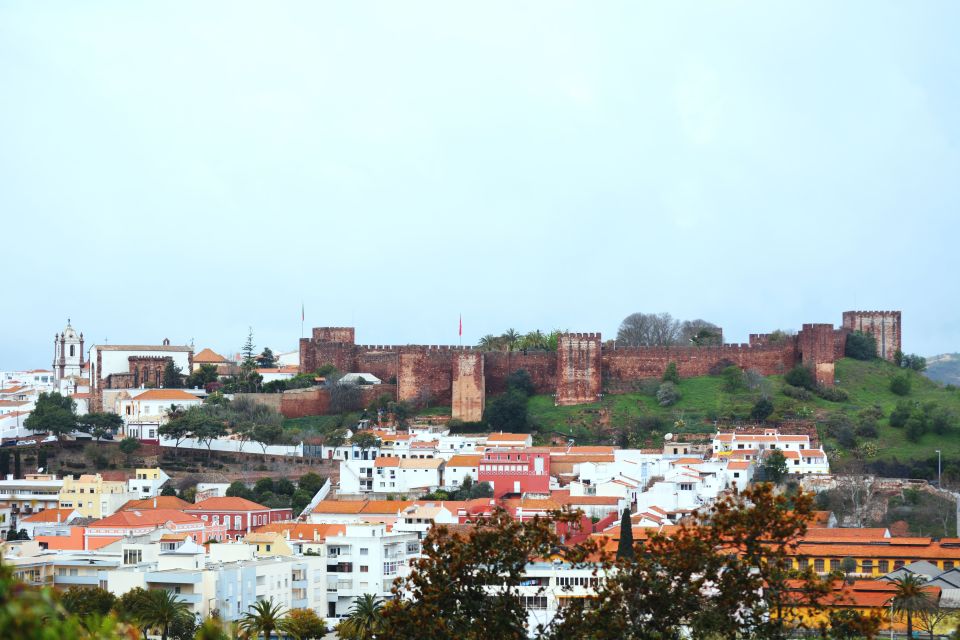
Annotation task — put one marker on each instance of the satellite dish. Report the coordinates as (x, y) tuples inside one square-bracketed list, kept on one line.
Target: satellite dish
[(668, 437)]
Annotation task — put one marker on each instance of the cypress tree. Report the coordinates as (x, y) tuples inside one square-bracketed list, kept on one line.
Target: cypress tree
[(4, 464), (625, 546), (16, 465)]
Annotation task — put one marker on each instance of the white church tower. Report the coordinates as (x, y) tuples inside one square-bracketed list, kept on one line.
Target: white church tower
[(67, 353)]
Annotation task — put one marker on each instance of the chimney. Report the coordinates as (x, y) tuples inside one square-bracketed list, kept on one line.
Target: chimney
[(58, 516), (154, 502)]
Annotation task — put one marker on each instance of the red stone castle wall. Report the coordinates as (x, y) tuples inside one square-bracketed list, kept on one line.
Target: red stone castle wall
[(884, 326), (636, 363)]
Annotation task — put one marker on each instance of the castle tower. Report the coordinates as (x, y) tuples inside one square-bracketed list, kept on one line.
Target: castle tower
[(469, 386), (884, 326), (578, 368), (67, 353)]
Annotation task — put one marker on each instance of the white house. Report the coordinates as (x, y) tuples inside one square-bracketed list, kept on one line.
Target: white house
[(145, 410), (459, 467)]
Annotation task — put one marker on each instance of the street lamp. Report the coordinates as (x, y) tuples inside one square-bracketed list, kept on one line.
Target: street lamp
[(939, 486)]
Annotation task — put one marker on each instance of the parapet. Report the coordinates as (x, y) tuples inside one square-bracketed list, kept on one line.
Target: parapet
[(341, 335), (582, 336)]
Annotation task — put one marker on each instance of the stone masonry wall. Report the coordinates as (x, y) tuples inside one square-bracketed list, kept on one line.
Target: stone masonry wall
[(884, 326), (469, 386), (635, 363), (578, 368)]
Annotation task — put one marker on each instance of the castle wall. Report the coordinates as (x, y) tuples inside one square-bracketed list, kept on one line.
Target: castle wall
[(469, 385), (635, 363), (818, 346), (884, 326), (578, 368), (425, 375), (541, 365)]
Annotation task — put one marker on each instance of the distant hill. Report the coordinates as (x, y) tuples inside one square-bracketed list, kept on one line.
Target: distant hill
[(944, 368)]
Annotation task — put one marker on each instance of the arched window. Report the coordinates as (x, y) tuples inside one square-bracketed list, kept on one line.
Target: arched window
[(71, 350)]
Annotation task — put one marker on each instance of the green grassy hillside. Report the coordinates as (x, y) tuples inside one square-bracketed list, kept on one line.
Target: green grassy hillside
[(638, 418)]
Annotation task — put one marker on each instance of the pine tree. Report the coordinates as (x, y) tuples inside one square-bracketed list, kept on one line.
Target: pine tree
[(625, 546), (248, 351)]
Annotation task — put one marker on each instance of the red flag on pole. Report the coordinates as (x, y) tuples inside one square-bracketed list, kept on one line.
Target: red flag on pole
[(302, 312), (461, 324)]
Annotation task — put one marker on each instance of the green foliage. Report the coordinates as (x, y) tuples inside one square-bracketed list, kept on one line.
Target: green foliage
[(238, 489), (521, 381), (801, 376), (508, 412), (364, 620), (762, 409), (172, 376), (668, 394), (266, 359), (900, 414), (129, 446), (285, 487), (310, 482), (161, 609), (734, 379), (263, 617), (910, 599), (913, 362), (670, 374), (99, 424), (900, 385), (832, 394), (304, 624), (860, 346), (168, 491), (204, 375), (774, 467), (365, 440), (797, 393), (299, 501), (53, 413), (625, 544), (926, 513)]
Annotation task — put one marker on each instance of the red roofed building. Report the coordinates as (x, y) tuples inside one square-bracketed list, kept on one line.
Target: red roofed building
[(519, 471), (238, 514), (125, 524)]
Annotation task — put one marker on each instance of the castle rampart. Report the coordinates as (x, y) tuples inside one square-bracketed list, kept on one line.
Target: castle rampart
[(581, 368)]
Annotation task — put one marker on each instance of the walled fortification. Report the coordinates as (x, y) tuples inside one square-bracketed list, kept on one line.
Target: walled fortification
[(884, 326), (582, 368)]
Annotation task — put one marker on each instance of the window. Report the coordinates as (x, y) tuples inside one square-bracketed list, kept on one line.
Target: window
[(736, 474), (216, 519), (236, 522), (364, 568), (818, 565), (884, 566), (866, 566), (364, 551), (268, 547), (684, 486), (897, 564), (947, 565), (802, 563), (132, 556), (535, 602)]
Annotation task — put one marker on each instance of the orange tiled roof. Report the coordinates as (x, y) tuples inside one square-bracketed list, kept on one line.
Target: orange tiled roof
[(208, 356), (49, 515), (226, 504), (147, 517), (300, 531), (362, 506), (386, 462), (508, 437), (166, 394), (464, 460), (162, 502)]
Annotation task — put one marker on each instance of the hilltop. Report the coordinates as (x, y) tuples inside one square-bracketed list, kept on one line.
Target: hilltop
[(856, 430), (944, 368)]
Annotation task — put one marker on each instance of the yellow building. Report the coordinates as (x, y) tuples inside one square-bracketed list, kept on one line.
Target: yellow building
[(269, 543), (871, 553), (93, 496)]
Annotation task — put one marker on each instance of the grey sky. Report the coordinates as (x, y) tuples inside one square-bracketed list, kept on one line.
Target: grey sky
[(187, 170)]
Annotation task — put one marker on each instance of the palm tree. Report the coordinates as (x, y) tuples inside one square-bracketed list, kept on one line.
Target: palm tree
[(511, 336), (364, 619), (162, 608), (263, 617), (910, 598)]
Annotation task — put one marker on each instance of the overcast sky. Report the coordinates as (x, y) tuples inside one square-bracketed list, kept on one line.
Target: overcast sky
[(189, 170)]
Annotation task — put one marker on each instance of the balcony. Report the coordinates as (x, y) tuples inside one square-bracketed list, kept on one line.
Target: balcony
[(84, 580), (191, 598), (299, 603), (173, 577)]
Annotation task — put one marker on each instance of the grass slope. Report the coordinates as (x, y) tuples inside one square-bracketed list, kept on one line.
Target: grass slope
[(704, 401)]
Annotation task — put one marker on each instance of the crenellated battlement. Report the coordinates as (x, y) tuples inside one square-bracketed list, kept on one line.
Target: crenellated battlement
[(581, 336)]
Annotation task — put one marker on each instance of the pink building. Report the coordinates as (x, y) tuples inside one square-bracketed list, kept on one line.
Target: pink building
[(510, 470), (238, 514)]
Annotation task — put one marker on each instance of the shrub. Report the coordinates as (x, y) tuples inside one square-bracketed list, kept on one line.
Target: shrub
[(797, 393), (867, 429), (860, 346), (916, 426), (899, 415), (913, 361), (717, 368), (521, 381), (649, 387), (900, 384), (668, 394), (832, 394), (845, 437), (671, 374), (733, 379), (761, 410), (802, 377)]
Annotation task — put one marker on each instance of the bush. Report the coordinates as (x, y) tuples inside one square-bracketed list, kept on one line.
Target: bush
[(868, 429), (832, 394), (733, 379), (914, 362), (649, 387), (802, 377), (916, 427), (668, 394), (508, 412), (671, 374), (900, 413), (717, 368), (860, 346), (900, 384), (521, 381), (761, 410), (797, 393)]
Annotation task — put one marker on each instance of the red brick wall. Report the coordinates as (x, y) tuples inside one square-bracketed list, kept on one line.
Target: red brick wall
[(578, 368), (882, 325), (468, 387), (343, 335), (541, 365), (818, 345), (634, 363)]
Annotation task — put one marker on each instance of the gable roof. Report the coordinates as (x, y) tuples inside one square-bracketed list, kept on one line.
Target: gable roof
[(147, 517), (162, 502), (464, 460), (166, 394), (226, 504), (49, 515), (208, 356)]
